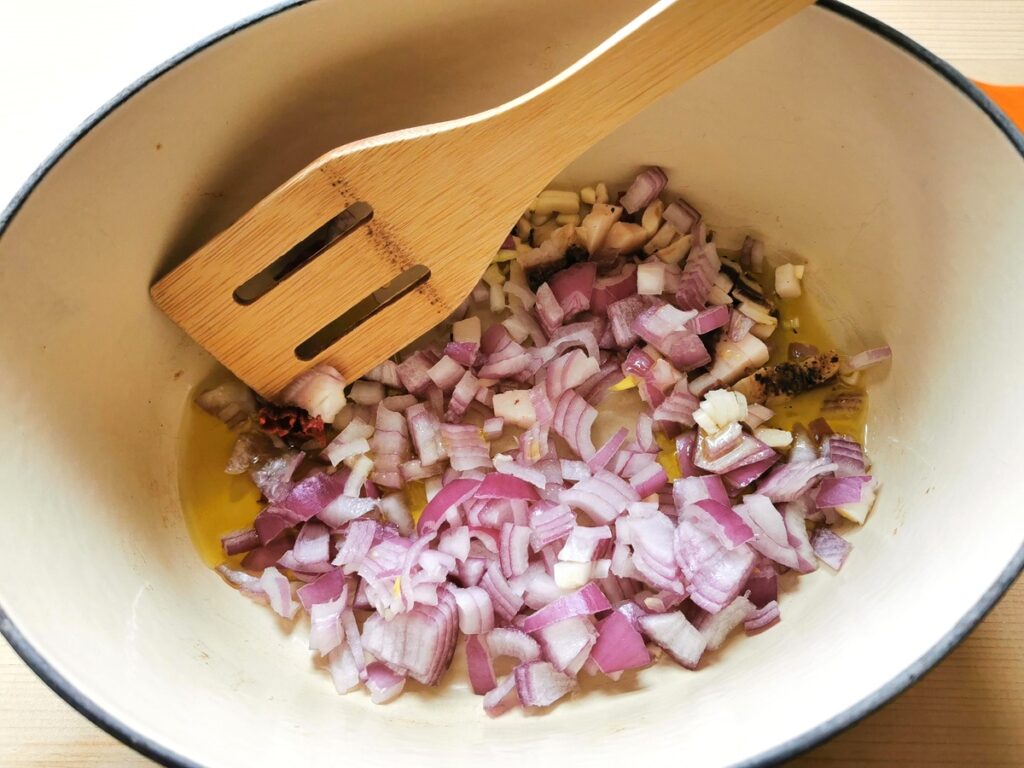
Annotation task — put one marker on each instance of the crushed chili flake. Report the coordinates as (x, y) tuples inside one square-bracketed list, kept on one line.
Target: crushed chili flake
[(293, 425)]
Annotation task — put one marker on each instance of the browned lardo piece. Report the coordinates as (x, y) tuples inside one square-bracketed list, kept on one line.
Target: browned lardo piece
[(790, 378), (443, 196)]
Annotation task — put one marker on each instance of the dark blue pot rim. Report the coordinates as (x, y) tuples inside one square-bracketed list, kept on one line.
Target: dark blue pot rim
[(784, 751)]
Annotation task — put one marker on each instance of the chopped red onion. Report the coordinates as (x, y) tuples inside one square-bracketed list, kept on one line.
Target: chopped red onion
[(449, 497), (313, 543), (831, 548), (550, 525), (386, 373), (383, 684), (731, 529), (436, 630), (279, 592), (549, 311), (790, 481), (514, 549), (716, 627), (568, 372), (476, 612), (504, 641), (583, 602), (649, 479), (319, 391), (446, 373), (612, 288), (709, 319), (681, 215), (644, 189), (478, 662), (680, 639), (650, 278), (605, 453), (240, 541), (573, 419), (762, 618), (465, 447), (846, 454), (567, 643), (837, 491), (539, 684), (714, 573), (412, 371), (868, 358), (739, 326), (620, 646), (506, 602), (602, 497), (573, 287)]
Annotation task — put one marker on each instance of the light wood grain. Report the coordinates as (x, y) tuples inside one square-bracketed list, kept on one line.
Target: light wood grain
[(968, 711), (444, 196)]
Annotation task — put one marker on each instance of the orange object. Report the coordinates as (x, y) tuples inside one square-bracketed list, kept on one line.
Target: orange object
[(1009, 98)]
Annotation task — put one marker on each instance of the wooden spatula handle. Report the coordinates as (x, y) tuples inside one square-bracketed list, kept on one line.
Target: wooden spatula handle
[(443, 198), (632, 69)]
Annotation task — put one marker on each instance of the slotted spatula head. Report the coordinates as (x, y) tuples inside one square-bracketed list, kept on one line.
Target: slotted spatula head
[(378, 241)]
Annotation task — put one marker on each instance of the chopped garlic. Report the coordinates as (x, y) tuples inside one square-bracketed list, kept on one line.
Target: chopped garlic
[(773, 438), (787, 282), (555, 201), (858, 512), (651, 220), (662, 238), (674, 252), (720, 408), (494, 276)]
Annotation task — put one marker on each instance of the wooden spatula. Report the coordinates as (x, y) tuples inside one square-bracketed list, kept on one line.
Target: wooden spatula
[(381, 239)]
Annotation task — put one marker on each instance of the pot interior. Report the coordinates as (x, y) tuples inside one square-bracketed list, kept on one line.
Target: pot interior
[(823, 139)]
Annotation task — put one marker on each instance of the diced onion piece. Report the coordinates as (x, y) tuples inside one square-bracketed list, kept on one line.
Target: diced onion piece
[(787, 283), (515, 408), (775, 438), (650, 279), (720, 408), (467, 330)]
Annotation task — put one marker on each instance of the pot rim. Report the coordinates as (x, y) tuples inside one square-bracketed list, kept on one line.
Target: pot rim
[(788, 749)]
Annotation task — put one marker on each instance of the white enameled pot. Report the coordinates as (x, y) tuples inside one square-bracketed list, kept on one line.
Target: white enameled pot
[(832, 138)]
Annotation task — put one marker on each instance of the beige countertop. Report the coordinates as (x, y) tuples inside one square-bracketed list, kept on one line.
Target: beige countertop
[(969, 710)]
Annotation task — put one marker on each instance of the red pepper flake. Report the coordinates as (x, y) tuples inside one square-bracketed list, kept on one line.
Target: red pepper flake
[(293, 425)]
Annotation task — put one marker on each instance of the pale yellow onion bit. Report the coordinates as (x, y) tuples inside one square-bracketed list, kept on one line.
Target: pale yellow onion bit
[(467, 330), (588, 196), (787, 280), (601, 193), (720, 408), (773, 438)]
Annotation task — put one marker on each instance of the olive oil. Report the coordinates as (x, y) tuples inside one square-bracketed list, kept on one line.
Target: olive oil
[(805, 408), (214, 503)]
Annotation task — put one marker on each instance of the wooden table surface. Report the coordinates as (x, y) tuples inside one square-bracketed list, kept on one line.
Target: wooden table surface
[(969, 710)]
